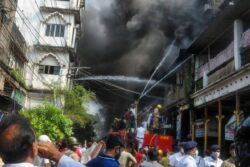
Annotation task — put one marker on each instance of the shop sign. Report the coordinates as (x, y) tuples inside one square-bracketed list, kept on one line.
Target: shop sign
[(230, 129), (19, 97), (212, 128), (199, 130)]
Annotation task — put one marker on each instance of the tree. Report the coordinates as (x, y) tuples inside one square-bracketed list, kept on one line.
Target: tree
[(74, 104), (49, 120)]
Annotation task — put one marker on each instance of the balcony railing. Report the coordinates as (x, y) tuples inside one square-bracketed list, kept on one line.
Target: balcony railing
[(218, 60), (69, 5), (245, 40), (19, 40)]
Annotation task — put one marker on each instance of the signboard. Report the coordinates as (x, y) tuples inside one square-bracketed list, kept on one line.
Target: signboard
[(160, 141), (212, 128), (199, 130), (230, 129), (19, 97)]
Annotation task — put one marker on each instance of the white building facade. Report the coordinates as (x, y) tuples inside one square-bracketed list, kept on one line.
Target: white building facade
[(51, 29)]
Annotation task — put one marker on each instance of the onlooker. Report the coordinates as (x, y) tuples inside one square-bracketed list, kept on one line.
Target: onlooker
[(39, 161), (153, 159), (230, 162), (18, 147), (199, 160), (189, 158), (73, 151), (139, 156), (214, 158), (164, 159), (114, 143), (125, 158), (175, 158)]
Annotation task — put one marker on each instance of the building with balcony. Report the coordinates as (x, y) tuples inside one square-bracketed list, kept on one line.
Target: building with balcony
[(222, 72), (13, 61), (52, 29)]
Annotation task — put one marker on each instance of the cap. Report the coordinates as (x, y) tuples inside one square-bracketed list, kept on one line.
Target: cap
[(214, 147), (44, 138), (189, 145)]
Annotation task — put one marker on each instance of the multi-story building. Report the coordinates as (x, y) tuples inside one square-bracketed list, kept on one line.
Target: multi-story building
[(177, 100), (13, 61), (221, 95), (51, 28)]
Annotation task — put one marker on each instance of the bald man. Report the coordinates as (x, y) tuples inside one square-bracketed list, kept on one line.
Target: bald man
[(19, 149)]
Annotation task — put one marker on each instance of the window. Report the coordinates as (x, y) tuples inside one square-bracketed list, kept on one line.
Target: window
[(53, 70), (55, 30)]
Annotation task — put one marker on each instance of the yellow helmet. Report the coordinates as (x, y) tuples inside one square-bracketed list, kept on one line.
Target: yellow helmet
[(159, 106)]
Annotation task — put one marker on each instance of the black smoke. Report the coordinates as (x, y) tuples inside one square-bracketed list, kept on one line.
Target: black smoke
[(129, 37)]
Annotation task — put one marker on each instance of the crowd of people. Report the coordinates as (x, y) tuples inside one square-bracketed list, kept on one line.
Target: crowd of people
[(20, 148)]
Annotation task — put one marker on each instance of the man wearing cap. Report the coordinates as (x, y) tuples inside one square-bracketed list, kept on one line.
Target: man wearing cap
[(175, 158), (114, 143), (189, 158), (213, 159)]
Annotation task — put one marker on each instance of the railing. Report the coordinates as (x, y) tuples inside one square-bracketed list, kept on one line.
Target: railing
[(218, 60), (71, 4), (245, 45), (245, 40)]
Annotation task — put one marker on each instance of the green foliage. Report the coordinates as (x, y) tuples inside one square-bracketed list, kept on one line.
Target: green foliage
[(18, 77), (49, 120), (74, 105)]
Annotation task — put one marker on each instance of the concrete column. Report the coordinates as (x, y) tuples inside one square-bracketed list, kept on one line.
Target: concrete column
[(238, 30), (205, 79)]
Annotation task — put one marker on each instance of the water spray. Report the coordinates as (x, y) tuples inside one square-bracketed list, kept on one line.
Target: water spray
[(116, 78), (170, 72), (169, 50)]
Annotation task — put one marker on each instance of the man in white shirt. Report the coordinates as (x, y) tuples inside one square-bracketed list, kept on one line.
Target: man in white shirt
[(19, 149), (176, 157), (213, 159), (140, 136), (189, 158)]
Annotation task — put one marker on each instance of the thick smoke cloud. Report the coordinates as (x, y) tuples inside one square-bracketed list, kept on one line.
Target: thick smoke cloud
[(130, 37), (134, 33)]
